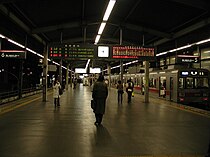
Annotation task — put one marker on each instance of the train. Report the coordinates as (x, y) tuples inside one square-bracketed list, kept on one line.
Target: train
[(183, 85)]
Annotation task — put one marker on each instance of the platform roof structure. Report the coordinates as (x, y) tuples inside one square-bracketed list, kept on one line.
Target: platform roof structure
[(164, 24)]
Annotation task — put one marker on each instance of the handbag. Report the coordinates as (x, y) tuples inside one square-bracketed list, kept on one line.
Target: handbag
[(60, 91), (132, 94), (93, 104)]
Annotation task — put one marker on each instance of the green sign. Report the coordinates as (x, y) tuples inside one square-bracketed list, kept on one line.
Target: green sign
[(72, 51)]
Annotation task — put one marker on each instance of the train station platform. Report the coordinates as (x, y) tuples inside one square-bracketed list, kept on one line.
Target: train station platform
[(32, 128)]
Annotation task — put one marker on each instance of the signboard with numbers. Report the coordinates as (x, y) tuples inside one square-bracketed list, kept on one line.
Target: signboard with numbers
[(72, 51), (133, 52), (19, 54)]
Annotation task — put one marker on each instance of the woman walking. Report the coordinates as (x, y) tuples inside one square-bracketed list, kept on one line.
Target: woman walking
[(56, 95)]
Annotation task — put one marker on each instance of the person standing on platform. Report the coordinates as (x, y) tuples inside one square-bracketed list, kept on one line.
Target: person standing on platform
[(75, 83), (129, 89), (56, 94), (120, 92), (99, 95)]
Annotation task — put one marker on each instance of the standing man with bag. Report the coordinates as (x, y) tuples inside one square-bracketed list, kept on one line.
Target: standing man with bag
[(99, 95)]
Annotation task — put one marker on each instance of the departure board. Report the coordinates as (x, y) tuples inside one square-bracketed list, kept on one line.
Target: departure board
[(132, 52), (72, 51)]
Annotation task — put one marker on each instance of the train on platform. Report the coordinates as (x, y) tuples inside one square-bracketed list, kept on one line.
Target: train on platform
[(186, 86)]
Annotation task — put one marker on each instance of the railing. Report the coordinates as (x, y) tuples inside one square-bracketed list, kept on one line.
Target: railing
[(14, 95)]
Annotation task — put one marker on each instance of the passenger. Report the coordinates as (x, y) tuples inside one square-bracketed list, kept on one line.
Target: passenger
[(120, 92), (75, 83), (99, 95), (56, 94), (129, 89)]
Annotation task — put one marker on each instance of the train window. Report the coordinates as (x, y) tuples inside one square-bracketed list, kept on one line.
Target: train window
[(189, 82), (181, 82), (201, 83)]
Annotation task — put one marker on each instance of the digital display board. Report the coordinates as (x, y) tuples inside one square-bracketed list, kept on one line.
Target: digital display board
[(72, 51), (19, 54), (132, 52)]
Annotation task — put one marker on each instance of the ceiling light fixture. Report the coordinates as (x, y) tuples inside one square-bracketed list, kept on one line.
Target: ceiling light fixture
[(102, 26), (109, 9), (105, 19)]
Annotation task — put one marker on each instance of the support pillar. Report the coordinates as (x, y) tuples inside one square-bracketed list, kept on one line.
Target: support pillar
[(71, 77), (45, 71), (67, 77), (60, 72), (121, 71), (146, 81), (109, 75)]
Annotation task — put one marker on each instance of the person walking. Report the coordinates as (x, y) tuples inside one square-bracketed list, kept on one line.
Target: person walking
[(56, 94), (129, 89), (120, 92), (99, 95)]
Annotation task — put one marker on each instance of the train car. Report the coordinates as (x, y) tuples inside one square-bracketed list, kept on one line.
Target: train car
[(181, 85)]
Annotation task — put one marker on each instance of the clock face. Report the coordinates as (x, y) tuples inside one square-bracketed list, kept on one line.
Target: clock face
[(103, 51)]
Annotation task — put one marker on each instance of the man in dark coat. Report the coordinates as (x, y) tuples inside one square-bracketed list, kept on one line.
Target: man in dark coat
[(99, 95)]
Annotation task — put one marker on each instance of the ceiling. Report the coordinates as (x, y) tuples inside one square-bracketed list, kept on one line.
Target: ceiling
[(156, 23)]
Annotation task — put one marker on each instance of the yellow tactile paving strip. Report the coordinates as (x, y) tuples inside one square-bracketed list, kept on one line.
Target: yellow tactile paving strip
[(183, 155), (19, 103)]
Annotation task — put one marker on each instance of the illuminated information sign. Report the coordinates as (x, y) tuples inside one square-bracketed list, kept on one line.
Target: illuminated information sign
[(132, 52), (72, 51), (19, 54), (187, 59)]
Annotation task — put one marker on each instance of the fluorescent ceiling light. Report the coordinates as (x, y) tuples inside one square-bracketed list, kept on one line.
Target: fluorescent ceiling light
[(102, 26), (109, 10), (87, 64), (1, 36), (14, 42), (97, 38), (203, 41)]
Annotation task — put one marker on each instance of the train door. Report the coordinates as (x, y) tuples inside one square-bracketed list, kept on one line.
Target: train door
[(171, 88), (162, 86)]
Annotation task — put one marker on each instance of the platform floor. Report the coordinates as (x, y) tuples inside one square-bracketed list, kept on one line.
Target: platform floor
[(159, 128)]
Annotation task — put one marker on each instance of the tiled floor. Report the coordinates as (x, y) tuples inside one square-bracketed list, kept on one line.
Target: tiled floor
[(158, 128)]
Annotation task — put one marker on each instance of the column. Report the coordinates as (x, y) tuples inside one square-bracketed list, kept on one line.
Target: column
[(109, 75), (60, 73), (45, 71), (67, 76), (146, 81), (71, 77), (121, 71)]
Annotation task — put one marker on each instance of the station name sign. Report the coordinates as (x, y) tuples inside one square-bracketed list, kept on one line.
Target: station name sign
[(132, 52), (19, 54), (72, 51), (187, 59)]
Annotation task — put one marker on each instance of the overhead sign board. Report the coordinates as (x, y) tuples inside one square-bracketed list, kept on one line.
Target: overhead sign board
[(19, 54), (132, 52), (80, 70), (72, 51), (187, 59)]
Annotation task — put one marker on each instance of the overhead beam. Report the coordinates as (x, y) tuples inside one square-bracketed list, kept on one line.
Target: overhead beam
[(187, 30), (148, 30), (192, 3), (81, 39), (20, 23)]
